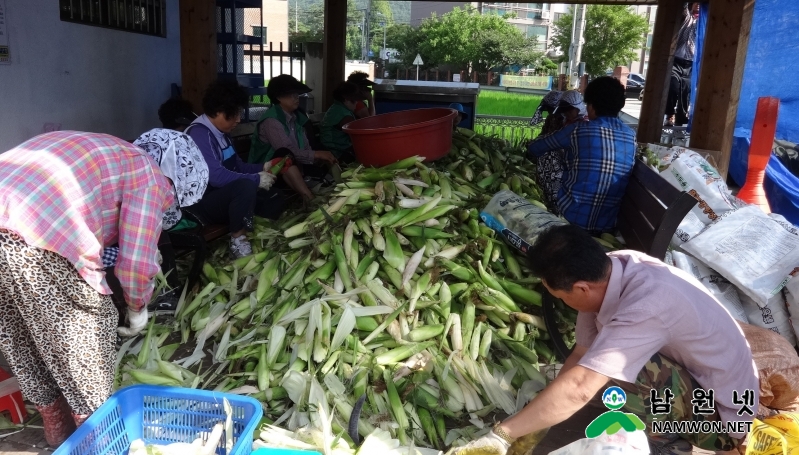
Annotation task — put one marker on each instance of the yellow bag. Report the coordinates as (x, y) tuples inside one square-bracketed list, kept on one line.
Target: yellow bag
[(775, 435)]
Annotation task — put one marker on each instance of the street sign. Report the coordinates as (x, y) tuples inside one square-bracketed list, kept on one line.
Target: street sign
[(418, 61)]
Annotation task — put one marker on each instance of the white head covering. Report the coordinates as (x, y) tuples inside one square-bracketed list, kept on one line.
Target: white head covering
[(548, 103), (574, 99), (182, 162)]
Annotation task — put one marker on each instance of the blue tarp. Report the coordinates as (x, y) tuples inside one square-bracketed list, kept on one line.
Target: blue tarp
[(771, 63)]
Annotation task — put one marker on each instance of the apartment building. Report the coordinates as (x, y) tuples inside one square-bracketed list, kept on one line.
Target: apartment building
[(275, 28), (533, 19), (422, 10)]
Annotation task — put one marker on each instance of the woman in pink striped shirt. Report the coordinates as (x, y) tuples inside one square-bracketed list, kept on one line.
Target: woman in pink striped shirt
[(64, 196)]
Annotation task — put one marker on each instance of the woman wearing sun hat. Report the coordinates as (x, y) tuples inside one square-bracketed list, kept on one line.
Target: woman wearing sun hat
[(564, 108)]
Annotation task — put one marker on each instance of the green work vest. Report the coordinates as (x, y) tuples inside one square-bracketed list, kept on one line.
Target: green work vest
[(260, 150), (333, 138)]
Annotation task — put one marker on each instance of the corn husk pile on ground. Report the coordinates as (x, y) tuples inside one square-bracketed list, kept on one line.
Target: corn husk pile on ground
[(391, 299)]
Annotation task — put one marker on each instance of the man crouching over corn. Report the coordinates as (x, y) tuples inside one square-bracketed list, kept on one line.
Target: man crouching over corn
[(646, 327)]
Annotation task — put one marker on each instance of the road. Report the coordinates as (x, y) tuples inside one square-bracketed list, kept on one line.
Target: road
[(632, 107)]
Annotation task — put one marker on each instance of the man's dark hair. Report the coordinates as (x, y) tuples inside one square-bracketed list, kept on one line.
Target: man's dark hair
[(174, 109), (606, 95), (346, 91), (564, 255), (226, 96)]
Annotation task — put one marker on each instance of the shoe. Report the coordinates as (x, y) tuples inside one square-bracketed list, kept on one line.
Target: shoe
[(673, 446), (240, 246), (57, 421), (165, 304)]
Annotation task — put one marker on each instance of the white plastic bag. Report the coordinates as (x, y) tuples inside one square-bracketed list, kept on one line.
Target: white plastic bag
[(774, 316), (792, 302), (755, 251), (517, 220), (621, 443), (724, 291), (690, 172)]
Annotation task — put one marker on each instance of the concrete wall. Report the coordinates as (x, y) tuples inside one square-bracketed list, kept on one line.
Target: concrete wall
[(82, 77)]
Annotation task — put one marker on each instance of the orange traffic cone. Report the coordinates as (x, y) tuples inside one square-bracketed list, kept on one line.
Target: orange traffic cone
[(763, 130)]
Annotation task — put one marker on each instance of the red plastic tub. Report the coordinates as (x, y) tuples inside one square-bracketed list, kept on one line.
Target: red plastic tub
[(387, 138)]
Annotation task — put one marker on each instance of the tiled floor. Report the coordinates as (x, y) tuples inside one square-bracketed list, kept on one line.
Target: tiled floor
[(27, 442)]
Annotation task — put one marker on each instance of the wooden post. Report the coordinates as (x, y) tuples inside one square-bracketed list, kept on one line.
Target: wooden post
[(334, 48), (661, 58), (723, 58), (198, 51)]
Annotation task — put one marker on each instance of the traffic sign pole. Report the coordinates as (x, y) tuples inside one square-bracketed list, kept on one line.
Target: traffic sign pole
[(418, 61)]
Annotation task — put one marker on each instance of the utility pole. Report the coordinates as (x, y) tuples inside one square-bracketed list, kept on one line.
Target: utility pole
[(576, 48), (363, 38), (368, 18)]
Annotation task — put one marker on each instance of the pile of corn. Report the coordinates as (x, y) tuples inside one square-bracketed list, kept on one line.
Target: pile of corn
[(392, 299)]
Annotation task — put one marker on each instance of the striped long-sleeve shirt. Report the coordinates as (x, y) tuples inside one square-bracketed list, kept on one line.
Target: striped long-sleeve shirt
[(74, 193), (599, 159)]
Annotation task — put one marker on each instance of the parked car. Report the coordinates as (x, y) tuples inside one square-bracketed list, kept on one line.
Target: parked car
[(637, 78), (634, 89)]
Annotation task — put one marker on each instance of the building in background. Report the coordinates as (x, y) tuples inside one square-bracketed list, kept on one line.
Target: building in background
[(533, 19), (276, 23), (641, 65), (422, 10)]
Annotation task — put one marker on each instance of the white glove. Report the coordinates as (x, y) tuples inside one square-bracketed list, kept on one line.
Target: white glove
[(490, 444), (267, 180), (137, 321)]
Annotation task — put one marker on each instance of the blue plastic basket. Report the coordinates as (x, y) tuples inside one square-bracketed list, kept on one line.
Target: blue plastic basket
[(162, 415)]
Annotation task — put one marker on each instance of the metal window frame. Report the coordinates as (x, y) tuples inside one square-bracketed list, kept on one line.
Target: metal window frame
[(151, 15)]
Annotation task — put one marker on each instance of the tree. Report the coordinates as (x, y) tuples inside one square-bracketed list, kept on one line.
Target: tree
[(381, 17), (612, 34), (405, 39), (310, 25), (464, 38)]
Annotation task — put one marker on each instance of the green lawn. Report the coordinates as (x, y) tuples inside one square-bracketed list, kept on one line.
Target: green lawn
[(508, 104)]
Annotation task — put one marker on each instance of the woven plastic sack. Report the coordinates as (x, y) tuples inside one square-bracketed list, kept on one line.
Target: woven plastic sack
[(755, 251), (792, 302), (619, 443), (724, 291), (517, 220), (775, 435), (773, 316), (689, 171), (778, 367)]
